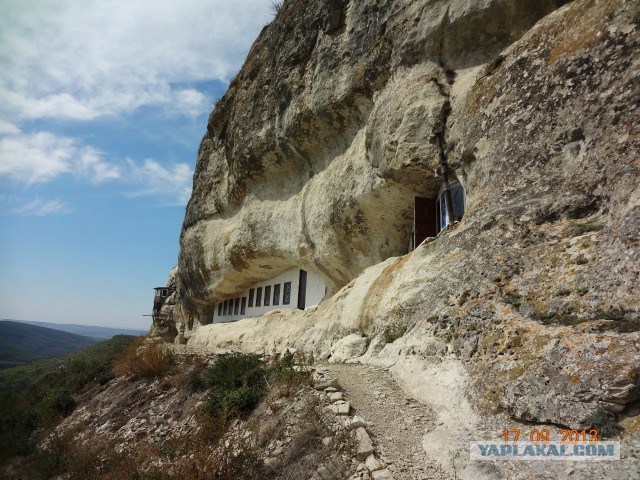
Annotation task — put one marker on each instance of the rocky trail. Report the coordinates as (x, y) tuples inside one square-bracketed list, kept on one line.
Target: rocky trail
[(396, 421)]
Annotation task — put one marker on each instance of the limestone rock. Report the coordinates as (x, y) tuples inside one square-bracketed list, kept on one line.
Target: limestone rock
[(382, 475), (373, 464), (340, 407), (357, 421), (364, 446), (323, 380), (348, 347), (314, 157), (335, 397)]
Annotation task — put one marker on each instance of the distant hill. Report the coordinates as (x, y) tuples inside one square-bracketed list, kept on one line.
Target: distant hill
[(23, 343), (21, 378), (98, 333)]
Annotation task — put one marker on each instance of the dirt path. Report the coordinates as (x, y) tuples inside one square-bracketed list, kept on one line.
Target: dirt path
[(396, 421)]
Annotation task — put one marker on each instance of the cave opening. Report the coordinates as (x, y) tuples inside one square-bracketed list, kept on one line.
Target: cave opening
[(431, 216)]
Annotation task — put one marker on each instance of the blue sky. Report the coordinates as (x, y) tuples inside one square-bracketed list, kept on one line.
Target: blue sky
[(102, 107)]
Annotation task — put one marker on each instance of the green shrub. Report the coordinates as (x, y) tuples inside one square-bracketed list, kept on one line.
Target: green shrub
[(237, 382), (463, 298), (235, 370), (611, 314), (605, 423), (56, 403), (513, 298), (235, 402), (583, 228), (391, 334)]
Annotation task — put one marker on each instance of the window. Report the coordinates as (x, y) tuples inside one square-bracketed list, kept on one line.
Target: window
[(457, 199), (243, 306), (236, 306), (251, 298), (164, 292), (302, 290), (259, 297), (220, 309), (443, 211), (267, 295), (286, 294), (276, 294), (225, 307)]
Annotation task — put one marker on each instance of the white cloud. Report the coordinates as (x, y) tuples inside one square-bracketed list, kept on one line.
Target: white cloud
[(39, 207), (35, 157), (43, 156), (154, 179), (66, 59), (91, 163), (8, 128)]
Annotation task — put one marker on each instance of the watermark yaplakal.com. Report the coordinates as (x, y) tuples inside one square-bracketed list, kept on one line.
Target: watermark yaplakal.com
[(550, 451), (539, 445)]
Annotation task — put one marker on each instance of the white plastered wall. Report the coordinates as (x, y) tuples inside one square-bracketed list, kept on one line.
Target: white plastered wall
[(315, 292)]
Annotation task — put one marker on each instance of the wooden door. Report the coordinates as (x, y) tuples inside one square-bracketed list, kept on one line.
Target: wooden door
[(425, 219)]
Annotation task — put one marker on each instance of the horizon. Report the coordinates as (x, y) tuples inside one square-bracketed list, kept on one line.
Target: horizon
[(31, 322), (102, 110)]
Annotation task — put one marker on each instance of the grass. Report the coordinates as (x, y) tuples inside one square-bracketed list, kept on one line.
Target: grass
[(144, 359)]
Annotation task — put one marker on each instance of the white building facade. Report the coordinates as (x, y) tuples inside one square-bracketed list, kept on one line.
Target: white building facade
[(295, 288)]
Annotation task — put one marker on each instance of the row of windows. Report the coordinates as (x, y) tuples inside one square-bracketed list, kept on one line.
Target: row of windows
[(238, 306)]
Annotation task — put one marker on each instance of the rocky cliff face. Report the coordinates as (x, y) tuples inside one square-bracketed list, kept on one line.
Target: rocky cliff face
[(314, 156)]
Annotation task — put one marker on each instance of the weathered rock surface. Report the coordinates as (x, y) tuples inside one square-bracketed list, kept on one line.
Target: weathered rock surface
[(315, 153), (530, 304)]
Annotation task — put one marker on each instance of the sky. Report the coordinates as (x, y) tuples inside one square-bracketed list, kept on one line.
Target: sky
[(103, 104)]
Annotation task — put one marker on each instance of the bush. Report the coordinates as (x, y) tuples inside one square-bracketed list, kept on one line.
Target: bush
[(392, 334), (512, 298), (237, 382), (55, 404), (235, 370), (144, 359), (289, 378), (232, 403), (192, 379), (583, 228), (463, 298), (605, 423)]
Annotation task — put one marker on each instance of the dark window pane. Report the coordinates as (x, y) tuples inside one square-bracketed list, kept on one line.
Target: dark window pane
[(251, 298), (276, 294), (236, 307), (243, 306), (443, 211), (259, 297), (457, 197), (286, 294), (220, 309), (302, 289), (267, 295), (225, 306)]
